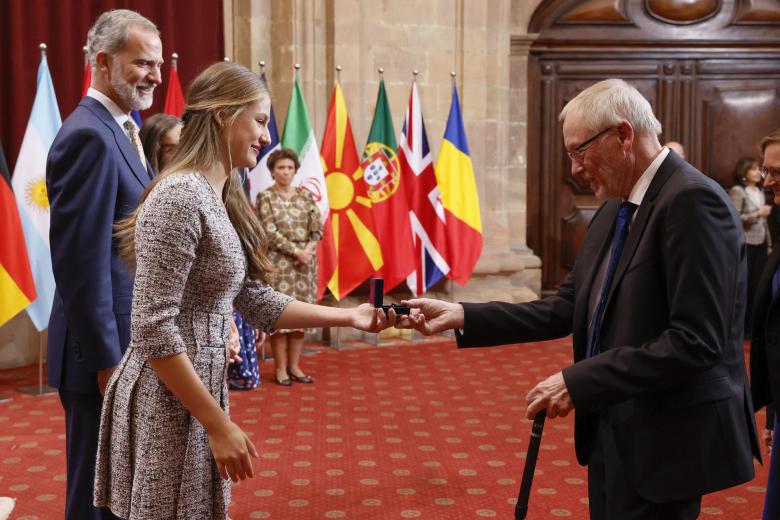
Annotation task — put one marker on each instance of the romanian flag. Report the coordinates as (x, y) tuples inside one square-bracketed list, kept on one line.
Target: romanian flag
[(17, 289), (349, 235), (174, 98), (455, 177)]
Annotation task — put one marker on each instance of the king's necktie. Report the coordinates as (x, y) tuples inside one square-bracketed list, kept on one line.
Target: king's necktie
[(132, 133)]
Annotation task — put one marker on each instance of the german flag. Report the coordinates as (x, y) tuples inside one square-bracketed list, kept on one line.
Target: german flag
[(17, 289), (349, 235)]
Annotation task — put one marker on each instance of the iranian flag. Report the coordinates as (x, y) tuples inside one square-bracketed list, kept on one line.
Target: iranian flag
[(299, 136)]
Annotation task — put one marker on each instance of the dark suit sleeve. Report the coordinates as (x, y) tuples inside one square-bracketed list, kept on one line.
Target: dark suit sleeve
[(700, 253), (499, 323), (82, 184)]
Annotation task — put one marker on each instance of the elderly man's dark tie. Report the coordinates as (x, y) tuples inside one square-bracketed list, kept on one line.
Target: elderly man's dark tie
[(618, 241)]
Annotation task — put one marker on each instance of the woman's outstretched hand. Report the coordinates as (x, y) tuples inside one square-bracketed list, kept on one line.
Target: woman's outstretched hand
[(370, 319), (232, 450)]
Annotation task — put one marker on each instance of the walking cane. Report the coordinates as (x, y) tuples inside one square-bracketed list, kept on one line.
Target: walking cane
[(521, 509)]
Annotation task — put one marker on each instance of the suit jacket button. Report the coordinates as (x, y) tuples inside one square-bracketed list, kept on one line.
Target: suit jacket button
[(771, 340)]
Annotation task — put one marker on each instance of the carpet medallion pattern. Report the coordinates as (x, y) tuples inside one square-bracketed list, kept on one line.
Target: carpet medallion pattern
[(414, 430)]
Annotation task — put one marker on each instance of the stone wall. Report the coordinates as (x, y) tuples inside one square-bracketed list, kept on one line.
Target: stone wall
[(468, 37)]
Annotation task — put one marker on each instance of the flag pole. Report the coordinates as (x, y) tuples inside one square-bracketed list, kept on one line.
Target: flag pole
[(262, 67), (174, 60), (39, 389), (85, 50), (449, 280)]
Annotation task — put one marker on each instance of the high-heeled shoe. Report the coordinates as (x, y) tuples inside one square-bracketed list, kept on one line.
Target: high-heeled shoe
[(283, 382), (301, 379)]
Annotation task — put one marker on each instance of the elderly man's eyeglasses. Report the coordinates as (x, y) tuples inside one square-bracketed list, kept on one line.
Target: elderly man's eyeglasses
[(773, 171), (579, 153)]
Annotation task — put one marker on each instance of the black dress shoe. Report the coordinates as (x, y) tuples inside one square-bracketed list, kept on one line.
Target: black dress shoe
[(302, 379)]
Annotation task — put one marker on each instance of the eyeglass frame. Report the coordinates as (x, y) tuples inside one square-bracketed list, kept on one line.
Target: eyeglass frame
[(579, 152), (774, 171)]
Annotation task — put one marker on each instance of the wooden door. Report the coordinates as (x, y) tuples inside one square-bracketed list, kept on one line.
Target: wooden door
[(710, 69)]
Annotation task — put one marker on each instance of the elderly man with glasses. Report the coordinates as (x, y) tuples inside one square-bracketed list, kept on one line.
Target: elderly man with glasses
[(655, 303)]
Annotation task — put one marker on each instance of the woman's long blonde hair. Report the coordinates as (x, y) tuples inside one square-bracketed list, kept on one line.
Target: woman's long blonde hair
[(219, 93)]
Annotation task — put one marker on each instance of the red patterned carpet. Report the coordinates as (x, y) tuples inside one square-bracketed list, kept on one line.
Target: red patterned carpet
[(417, 430)]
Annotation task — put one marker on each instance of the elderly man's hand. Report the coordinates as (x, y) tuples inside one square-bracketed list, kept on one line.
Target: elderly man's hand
[(552, 395), (431, 316)]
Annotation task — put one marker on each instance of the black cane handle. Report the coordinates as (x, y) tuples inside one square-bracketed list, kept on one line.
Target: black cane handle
[(521, 509)]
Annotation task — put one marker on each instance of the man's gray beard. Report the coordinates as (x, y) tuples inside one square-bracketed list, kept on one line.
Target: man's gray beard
[(129, 95)]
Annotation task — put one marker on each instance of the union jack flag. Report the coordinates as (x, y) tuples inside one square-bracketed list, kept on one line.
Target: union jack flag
[(426, 212)]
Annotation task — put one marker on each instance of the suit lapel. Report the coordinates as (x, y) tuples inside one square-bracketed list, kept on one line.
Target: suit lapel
[(123, 142), (591, 257)]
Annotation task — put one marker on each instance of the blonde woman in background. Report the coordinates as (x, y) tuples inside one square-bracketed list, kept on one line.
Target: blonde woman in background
[(159, 137), (749, 199)]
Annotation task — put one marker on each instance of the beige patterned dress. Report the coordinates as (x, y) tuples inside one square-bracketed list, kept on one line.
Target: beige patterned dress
[(290, 225), (154, 460)]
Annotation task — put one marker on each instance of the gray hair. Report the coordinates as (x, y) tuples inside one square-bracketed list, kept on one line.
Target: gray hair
[(610, 101), (109, 33)]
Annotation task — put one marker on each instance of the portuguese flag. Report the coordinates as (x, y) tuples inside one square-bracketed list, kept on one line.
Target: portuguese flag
[(382, 174), (17, 289)]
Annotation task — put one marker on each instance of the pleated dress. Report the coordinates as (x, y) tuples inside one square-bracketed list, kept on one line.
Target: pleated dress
[(154, 461)]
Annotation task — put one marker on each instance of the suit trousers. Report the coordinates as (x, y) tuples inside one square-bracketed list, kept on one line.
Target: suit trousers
[(611, 496), (82, 425)]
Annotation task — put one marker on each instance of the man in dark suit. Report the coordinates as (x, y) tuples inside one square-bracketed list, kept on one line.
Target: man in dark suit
[(95, 174), (765, 344), (655, 303)]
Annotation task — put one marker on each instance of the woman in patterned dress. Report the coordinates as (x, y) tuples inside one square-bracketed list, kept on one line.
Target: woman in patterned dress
[(291, 220), (167, 447)]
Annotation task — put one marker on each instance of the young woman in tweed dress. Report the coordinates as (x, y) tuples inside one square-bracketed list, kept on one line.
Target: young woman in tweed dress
[(168, 449)]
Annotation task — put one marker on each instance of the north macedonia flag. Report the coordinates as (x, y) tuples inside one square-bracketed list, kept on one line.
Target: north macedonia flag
[(349, 252)]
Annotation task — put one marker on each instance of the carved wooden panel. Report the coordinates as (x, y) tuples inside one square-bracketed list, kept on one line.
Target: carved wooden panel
[(734, 116), (574, 226), (596, 11), (682, 11), (758, 12), (710, 69)]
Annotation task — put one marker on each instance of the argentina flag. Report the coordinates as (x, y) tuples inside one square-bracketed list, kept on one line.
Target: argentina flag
[(29, 186)]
